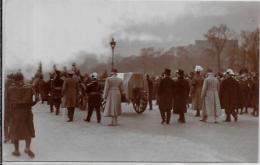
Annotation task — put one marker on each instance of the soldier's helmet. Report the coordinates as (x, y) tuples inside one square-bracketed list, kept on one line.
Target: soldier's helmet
[(198, 68), (94, 76)]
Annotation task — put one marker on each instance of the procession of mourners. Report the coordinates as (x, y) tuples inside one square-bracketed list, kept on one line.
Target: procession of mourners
[(202, 91)]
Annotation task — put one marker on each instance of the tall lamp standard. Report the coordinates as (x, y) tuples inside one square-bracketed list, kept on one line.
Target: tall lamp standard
[(113, 45)]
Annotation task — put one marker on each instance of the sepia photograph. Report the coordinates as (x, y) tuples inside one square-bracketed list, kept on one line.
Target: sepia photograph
[(127, 81)]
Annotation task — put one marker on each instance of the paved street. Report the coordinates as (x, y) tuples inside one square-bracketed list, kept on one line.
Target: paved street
[(139, 138)]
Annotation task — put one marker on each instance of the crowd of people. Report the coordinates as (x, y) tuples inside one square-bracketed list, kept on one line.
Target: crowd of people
[(206, 92)]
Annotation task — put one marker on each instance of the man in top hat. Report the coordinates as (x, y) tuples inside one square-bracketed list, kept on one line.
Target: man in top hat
[(196, 87), (69, 92), (181, 94), (165, 96), (229, 94)]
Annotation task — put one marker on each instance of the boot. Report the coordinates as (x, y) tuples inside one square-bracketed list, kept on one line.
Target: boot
[(198, 113)]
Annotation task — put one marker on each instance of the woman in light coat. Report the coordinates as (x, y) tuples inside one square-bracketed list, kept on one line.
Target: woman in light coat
[(112, 95), (210, 98)]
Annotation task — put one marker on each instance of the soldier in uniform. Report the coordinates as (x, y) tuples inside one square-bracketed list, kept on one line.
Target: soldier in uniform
[(229, 95), (150, 91), (20, 100), (165, 96), (255, 96), (70, 91), (196, 87), (42, 90), (244, 93), (94, 98), (49, 91), (56, 91)]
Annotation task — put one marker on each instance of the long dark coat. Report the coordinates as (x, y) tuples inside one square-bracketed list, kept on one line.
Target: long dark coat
[(244, 92), (7, 109), (196, 87), (42, 89), (69, 92), (255, 94), (229, 94), (56, 90), (150, 88), (21, 120), (181, 94), (165, 94), (49, 85), (94, 94)]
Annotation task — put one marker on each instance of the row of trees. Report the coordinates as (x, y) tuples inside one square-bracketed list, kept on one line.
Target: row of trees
[(249, 45), (242, 52), (219, 55)]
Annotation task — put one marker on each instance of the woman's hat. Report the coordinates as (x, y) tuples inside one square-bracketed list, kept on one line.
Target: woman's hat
[(198, 68), (114, 70), (167, 71), (180, 72)]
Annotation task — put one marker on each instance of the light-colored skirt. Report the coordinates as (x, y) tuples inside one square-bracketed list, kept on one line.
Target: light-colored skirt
[(113, 104)]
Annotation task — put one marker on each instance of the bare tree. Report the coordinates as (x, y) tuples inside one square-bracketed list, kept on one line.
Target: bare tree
[(217, 36), (250, 48)]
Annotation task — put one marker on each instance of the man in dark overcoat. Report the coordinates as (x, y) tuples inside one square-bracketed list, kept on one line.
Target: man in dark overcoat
[(181, 94), (255, 96), (150, 91), (42, 89), (56, 91), (229, 95), (165, 96), (49, 91), (244, 91), (70, 92), (94, 98)]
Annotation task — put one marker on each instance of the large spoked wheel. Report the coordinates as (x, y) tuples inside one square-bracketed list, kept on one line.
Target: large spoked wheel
[(82, 100), (140, 102)]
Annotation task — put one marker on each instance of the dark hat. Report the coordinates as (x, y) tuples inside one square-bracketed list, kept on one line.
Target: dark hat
[(209, 70), (180, 72), (57, 72), (167, 71), (114, 70)]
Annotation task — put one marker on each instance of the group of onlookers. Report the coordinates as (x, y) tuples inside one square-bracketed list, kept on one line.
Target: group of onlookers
[(208, 93)]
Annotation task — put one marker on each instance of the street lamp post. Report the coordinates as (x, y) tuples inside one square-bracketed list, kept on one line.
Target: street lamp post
[(113, 45)]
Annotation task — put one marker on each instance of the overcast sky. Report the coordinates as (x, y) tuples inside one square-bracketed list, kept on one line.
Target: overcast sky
[(54, 31)]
